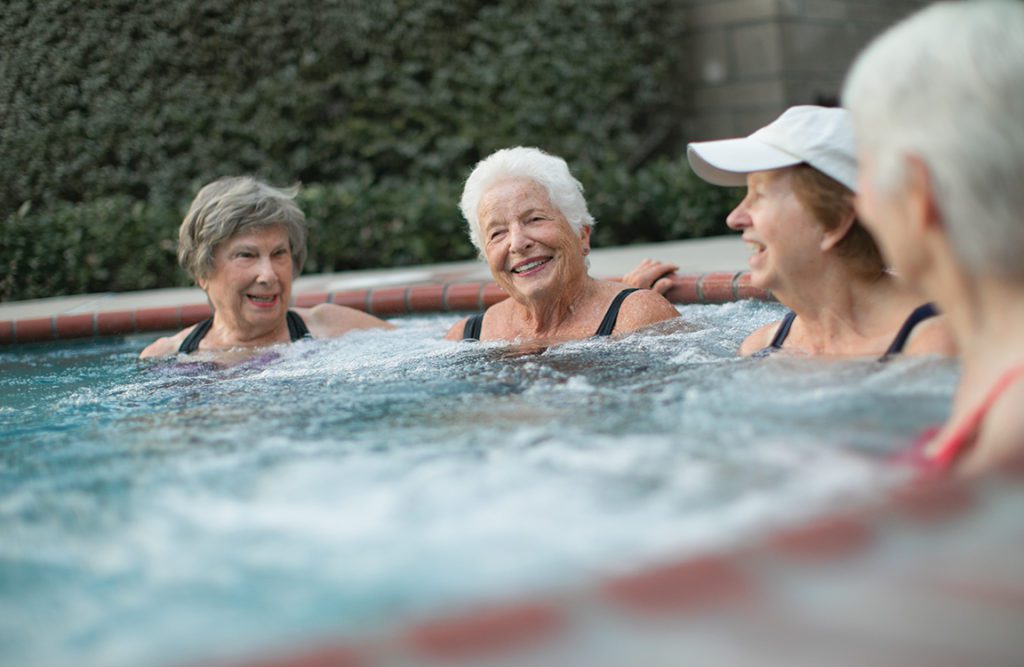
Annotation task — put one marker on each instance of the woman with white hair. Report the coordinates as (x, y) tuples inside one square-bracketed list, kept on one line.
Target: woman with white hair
[(808, 246), (528, 218), (243, 242), (938, 108)]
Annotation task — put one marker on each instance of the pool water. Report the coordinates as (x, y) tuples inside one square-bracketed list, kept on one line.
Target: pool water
[(162, 514)]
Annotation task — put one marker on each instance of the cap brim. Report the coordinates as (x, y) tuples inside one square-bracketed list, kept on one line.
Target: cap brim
[(728, 161)]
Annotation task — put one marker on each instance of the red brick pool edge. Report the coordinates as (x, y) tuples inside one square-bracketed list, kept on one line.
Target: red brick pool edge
[(892, 582), (421, 298)]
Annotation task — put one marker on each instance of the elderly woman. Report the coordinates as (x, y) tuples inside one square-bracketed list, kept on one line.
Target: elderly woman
[(243, 242), (527, 216), (941, 189), (808, 246)]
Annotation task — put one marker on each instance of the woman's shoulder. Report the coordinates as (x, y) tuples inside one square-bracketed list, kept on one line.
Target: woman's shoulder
[(1001, 433), (640, 308), (328, 320), (932, 336), (167, 345), (759, 339)]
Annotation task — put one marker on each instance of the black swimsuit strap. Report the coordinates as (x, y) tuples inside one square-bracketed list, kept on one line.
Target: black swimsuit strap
[(297, 330), (783, 331), (191, 342), (474, 325), (920, 314), (612, 315)]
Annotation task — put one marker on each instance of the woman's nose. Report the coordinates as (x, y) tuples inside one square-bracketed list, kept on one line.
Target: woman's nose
[(265, 270), (739, 219), (518, 239)]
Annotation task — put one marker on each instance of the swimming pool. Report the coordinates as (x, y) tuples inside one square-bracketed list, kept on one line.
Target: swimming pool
[(162, 515)]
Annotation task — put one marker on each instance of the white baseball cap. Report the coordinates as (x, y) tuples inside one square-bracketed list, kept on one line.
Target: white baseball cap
[(819, 136)]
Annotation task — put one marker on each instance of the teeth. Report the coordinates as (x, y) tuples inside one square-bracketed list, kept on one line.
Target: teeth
[(528, 267), (262, 299)]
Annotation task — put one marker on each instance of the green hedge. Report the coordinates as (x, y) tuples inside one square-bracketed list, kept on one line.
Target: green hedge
[(152, 99), (117, 243), (114, 112)]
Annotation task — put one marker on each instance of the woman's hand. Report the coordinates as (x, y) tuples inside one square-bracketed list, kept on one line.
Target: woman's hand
[(654, 275)]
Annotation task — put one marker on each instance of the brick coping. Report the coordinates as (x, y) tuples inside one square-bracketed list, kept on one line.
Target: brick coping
[(710, 287), (750, 583)]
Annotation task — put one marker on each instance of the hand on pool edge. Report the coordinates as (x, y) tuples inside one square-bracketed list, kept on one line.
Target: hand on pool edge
[(653, 275)]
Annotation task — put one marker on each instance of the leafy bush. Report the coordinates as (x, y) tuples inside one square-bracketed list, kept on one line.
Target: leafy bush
[(154, 99), (114, 112), (117, 243)]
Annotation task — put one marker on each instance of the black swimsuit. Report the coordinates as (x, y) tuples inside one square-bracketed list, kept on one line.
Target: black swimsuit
[(920, 314), (296, 330), (476, 323)]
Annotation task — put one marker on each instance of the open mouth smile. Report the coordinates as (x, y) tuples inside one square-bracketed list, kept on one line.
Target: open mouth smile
[(262, 300), (530, 266)]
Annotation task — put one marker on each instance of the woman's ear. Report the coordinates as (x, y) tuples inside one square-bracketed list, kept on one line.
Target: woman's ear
[(919, 196), (585, 239), (831, 238)]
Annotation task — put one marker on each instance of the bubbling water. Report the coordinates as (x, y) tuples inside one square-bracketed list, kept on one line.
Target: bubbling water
[(337, 485)]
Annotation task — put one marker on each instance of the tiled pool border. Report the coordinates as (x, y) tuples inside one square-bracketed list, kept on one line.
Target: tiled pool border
[(709, 287), (684, 593)]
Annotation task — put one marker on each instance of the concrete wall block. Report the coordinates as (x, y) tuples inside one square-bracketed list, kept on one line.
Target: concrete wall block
[(885, 11), (820, 90), (727, 12), (757, 50), (708, 59), (709, 126), (738, 95), (823, 47), (746, 121)]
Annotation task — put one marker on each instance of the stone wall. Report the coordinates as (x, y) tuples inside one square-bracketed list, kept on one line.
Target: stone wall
[(748, 60)]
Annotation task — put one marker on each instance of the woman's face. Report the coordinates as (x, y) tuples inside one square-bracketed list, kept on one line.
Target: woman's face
[(251, 282), (785, 237), (884, 218), (530, 247)]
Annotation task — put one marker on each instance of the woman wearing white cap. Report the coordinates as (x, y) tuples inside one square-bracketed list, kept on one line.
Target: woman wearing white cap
[(809, 249), (941, 189)]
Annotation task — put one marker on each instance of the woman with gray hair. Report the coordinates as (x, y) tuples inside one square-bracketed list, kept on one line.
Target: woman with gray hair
[(938, 107), (528, 218), (243, 242)]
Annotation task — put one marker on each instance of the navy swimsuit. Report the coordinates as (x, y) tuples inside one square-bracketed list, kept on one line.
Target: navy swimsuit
[(296, 330), (476, 323), (920, 314)]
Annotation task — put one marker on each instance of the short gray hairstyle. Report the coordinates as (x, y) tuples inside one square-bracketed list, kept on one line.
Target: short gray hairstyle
[(235, 205), (947, 85), (552, 172)]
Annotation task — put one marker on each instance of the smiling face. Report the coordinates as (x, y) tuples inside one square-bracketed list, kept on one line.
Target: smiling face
[(530, 247), (250, 285), (785, 237)]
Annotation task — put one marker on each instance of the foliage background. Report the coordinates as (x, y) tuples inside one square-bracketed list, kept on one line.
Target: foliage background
[(114, 112)]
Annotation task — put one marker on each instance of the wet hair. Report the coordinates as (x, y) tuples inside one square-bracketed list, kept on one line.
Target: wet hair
[(947, 87), (237, 205), (549, 171), (829, 201)]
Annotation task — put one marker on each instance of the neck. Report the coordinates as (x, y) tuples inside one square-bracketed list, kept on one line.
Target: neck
[(986, 316), (227, 334), (546, 315), (835, 305)]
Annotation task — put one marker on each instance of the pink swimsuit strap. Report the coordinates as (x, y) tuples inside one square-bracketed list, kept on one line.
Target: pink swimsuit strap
[(966, 433)]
